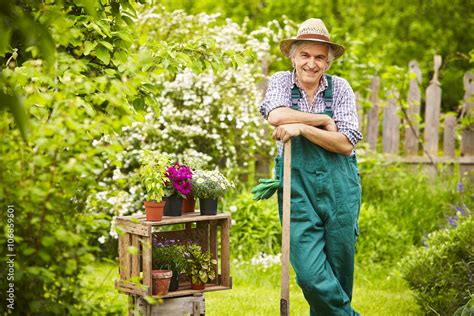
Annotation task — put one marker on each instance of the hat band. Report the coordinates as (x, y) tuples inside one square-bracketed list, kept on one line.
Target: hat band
[(313, 36)]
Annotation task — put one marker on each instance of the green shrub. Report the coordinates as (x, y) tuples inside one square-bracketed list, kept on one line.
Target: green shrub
[(401, 204), (255, 227), (380, 239), (442, 273)]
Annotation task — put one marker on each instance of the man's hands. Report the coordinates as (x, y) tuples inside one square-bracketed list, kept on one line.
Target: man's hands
[(284, 132), (330, 126)]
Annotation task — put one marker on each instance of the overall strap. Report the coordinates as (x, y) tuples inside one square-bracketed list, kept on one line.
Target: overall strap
[(295, 97), (327, 96)]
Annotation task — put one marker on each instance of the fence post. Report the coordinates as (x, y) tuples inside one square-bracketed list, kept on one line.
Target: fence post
[(373, 115), (412, 131), (433, 111), (391, 124), (467, 140), (449, 135), (360, 113)]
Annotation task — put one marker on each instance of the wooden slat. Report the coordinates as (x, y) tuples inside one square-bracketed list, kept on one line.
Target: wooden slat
[(146, 246), (412, 131), (467, 135), (391, 125), (198, 235), (213, 245), (168, 220), (373, 115), (135, 269), (225, 252), (209, 288), (467, 141), (204, 240), (449, 135), (196, 308), (433, 111), (130, 287), (134, 227), (131, 304), (186, 305), (124, 256)]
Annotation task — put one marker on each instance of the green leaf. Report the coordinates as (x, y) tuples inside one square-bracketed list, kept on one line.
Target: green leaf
[(13, 103), (89, 5), (120, 57), (103, 54), (5, 35), (104, 26), (107, 45), (124, 35), (88, 47)]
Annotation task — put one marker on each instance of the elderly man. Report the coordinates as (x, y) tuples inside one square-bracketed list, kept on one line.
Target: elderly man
[(318, 112)]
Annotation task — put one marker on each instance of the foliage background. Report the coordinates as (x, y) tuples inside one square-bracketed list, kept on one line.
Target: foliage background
[(86, 86)]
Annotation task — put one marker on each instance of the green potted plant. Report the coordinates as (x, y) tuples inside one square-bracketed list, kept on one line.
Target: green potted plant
[(169, 255), (208, 186), (152, 175), (178, 186), (200, 267)]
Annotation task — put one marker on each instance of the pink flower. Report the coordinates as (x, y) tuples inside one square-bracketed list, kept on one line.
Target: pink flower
[(179, 179)]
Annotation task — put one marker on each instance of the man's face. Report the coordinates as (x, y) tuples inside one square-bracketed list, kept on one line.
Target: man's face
[(310, 60)]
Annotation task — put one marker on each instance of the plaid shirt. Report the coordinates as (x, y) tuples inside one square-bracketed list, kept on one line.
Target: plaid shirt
[(343, 105)]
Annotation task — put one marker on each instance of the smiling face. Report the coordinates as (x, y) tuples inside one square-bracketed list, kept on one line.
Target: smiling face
[(310, 61)]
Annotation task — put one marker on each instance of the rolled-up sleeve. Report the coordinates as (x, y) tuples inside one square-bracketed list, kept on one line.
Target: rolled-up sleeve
[(278, 93), (345, 113)]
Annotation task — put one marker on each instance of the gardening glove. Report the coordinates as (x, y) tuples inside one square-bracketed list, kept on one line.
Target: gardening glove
[(265, 189)]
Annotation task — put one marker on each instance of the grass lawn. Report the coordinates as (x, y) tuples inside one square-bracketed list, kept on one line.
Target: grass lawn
[(256, 291)]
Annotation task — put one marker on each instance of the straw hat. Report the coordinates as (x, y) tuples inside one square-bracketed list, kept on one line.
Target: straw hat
[(312, 30)]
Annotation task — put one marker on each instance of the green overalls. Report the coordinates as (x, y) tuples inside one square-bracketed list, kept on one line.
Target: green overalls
[(325, 203)]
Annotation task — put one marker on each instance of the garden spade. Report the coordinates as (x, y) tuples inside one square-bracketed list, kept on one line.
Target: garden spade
[(285, 240)]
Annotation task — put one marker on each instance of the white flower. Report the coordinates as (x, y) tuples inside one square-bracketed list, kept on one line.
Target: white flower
[(233, 208), (101, 239)]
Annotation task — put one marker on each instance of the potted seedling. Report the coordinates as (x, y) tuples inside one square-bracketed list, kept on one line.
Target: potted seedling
[(152, 175), (200, 267), (178, 186), (169, 255), (208, 186)]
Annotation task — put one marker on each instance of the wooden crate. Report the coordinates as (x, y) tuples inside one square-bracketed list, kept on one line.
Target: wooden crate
[(135, 251), (186, 305)]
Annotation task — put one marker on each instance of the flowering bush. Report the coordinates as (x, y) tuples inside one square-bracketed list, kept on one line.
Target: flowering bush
[(179, 180), (209, 184), (168, 255)]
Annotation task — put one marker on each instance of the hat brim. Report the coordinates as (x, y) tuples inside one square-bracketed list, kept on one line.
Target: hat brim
[(285, 46)]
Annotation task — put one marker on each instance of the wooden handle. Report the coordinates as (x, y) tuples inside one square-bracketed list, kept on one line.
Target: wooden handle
[(285, 240)]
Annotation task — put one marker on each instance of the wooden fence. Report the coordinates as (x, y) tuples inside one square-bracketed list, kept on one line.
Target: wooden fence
[(400, 129)]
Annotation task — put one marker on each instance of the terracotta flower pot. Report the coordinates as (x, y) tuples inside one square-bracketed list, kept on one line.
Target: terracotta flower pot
[(198, 286), (154, 210), (189, 204), (161, 281)]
